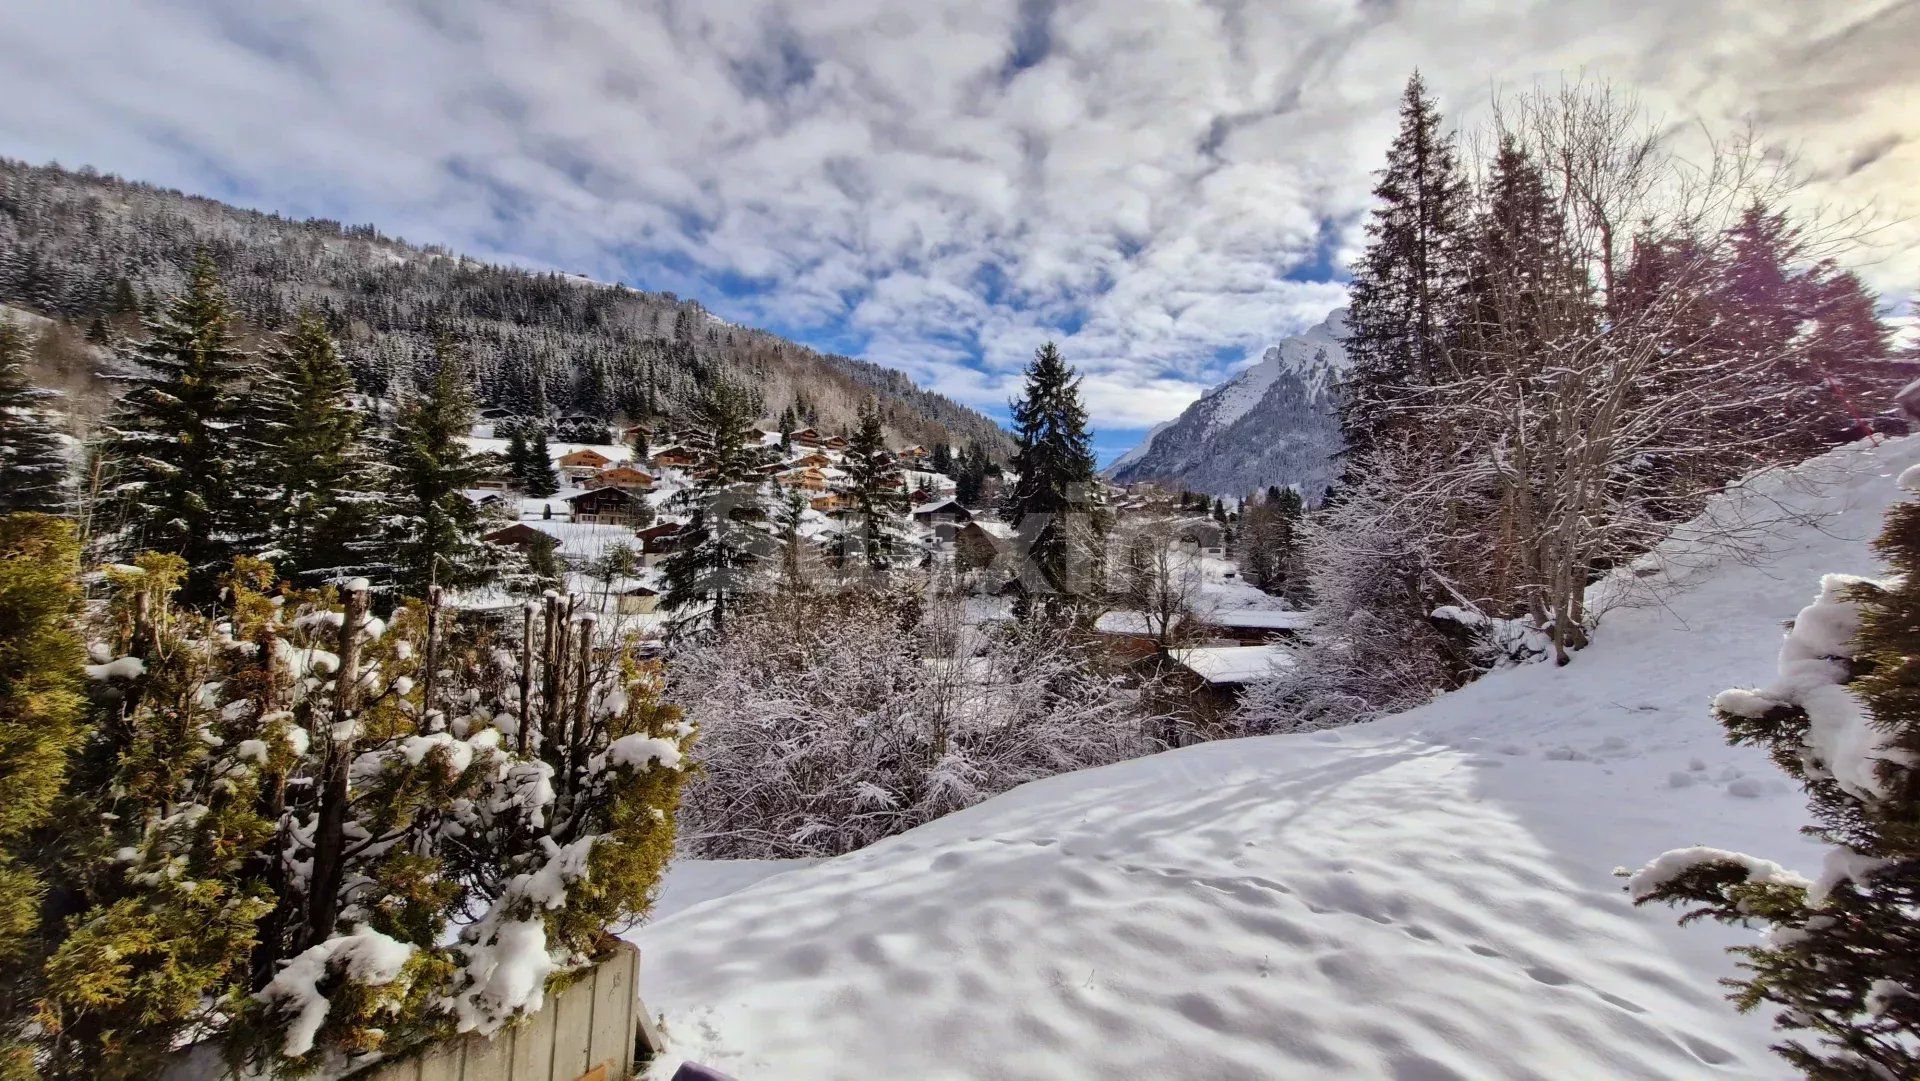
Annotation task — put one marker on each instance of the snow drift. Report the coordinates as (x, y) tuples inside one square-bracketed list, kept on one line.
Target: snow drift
[(1427, 896)]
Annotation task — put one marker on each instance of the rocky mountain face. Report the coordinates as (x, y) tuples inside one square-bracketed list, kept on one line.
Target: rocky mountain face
[(1273, 423), (93, 251)]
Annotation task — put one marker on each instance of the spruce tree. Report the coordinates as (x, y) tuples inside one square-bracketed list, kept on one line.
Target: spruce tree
[(876, 497), (181, 438), (326, 486), (541, 478), (517, 455), (1054, 502), (1842, 958), (434, 527), (724, 539), (33, 466), (1407, 281)]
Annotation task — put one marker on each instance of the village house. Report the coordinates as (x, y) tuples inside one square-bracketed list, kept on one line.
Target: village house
[(635, 434), (811, 480), (606, 506), (671, 458), (583, 463), (943, 517), (835, 442), (813, 460), (633, 599), (624, 477), (657, 541), (805, 437), (828, 502)]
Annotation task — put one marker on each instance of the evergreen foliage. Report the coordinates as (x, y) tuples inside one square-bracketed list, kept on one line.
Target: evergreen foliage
[(434, 528), (326, 485), (541, 479), (724, 539), (1055, 503), (184, 464), (1406, 284), (876, 498), (317, 834), (40, 723), (1841, 958), (33, 465)]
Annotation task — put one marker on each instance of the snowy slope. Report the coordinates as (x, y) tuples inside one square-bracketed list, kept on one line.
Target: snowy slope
[(1273, 423), (1428, 896)]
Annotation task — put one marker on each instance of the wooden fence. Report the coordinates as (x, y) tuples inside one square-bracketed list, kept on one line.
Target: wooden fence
[(587, 1032)]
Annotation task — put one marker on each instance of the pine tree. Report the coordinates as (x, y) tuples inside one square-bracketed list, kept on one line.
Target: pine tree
[(541, 479), (876, 496), (1054, 503), (33, 466), (1406, 283), (40, 722), (1842, 958), (517, 455), (180, 438), (942, 460), (326, 486), (435, 528), (723, 540)]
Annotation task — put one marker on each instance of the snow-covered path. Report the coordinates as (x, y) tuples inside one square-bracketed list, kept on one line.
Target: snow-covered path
[(1425, 897)]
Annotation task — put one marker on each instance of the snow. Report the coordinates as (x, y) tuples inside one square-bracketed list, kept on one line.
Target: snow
[(118, 668), (693, 882), (1424, 896), (1668, 866), (1234, 664), (366, 956), (641, 752)]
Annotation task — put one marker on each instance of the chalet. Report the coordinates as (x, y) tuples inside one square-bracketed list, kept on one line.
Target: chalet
[(836, 442), (634, 599), (605, 506), (671, 458), (813, 460), (914, 454), (485, 497), (828, 502), (811, 480), (657, 540), (493, 413), (635, 434), (519, 535), (943, 512), (1214, 677), (623, 476), (976, 544), (583, 463), (806, 437)]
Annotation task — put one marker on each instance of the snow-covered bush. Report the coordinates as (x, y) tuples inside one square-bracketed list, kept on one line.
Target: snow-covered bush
[(1841, 957), (1371, 573), (324, 835), (834, 719)]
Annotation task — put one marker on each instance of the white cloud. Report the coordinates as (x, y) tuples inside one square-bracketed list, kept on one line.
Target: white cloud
[(944, 183)]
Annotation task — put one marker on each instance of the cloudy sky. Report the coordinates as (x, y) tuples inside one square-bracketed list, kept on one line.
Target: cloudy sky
[(938, 185)]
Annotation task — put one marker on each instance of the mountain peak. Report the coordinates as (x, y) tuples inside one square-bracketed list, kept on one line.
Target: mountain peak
[(1272, 423)]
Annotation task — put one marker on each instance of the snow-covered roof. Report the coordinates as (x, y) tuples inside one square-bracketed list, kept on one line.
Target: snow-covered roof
[(1128, 622), (585, 540), (1260, 619), (1233, 664)]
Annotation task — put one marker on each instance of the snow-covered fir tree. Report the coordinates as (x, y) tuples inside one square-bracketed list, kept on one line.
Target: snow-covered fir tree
[(433, 528), (724, 539), (539, 478), (1055, 502), (185, 469), (873, 532), (1841, 956), (1407, 282), (33, 462), (326, 483)]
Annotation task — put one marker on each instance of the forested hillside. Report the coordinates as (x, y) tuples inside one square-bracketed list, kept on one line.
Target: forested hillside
[(97, 250)]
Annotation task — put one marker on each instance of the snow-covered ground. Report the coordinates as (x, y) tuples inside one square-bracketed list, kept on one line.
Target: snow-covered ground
[(1425, 897)]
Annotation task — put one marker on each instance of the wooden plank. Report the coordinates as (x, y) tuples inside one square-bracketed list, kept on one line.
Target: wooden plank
[(492, 1060), (572, 1030), (610, 1043)]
